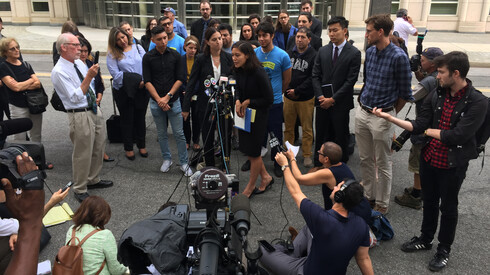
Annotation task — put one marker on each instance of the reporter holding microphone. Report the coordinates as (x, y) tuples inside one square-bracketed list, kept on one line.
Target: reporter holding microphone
[(212, 62), (254, 91)]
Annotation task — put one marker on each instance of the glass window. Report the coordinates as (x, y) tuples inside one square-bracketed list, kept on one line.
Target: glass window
[(40, 5), (395, 5), (446, 7), (5, 5)]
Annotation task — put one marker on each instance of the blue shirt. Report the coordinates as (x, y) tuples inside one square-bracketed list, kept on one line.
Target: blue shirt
[(179, 29), (130, 63), (177, 43), (387, 77), (275, 63), (335, 239)]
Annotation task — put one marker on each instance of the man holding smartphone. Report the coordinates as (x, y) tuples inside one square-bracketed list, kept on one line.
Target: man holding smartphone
[(404, 25)]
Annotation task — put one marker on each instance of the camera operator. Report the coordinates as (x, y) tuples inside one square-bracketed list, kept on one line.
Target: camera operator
[(27, 207), (426, 75), (338, 234), (449, 117)]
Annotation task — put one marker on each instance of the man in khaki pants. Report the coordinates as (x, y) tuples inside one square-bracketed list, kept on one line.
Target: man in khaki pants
[(72, 81)]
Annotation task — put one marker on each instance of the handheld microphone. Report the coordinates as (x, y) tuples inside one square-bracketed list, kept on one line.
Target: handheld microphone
[(213, 81), (14, 126), (240, 207), (274, 143), (223, 80)]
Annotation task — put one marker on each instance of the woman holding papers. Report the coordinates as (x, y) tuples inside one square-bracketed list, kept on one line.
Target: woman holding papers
[(212, 63), (253, 91)]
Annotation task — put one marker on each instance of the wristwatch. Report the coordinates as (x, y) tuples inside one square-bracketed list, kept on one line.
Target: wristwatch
[(284, 167), (170, 95)]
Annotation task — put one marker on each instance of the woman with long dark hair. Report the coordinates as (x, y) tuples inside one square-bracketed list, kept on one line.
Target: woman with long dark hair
[(146, 38), (212, 62), (124, 61), (100, 248), (191, 48), (284, 30), (247, 33), (253, 90)]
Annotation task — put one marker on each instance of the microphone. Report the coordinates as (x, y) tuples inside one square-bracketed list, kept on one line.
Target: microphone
[(14, 126), (274, 143), (223, 80), (240, 207)]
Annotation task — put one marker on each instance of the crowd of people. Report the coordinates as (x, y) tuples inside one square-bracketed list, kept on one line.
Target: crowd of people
[(286, 75)]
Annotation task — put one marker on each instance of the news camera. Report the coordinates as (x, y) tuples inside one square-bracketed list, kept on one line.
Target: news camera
[(219, 238), (415, 59), (9, 152)]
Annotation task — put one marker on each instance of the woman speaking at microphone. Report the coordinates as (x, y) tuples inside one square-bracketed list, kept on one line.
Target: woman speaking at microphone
[(253, 91), (212, 62)]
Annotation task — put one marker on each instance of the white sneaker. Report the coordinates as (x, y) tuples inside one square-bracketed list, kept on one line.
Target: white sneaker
[(263, 151), (186, 169), (166, 166)]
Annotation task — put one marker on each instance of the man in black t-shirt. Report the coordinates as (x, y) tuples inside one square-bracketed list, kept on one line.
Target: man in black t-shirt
[(338, 234)]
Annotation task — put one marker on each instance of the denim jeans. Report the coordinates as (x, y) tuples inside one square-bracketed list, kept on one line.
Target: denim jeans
[(174, 115)]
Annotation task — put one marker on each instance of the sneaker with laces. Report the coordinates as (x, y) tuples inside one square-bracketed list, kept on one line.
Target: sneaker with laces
[(439, 261), (166, 165), (186, 169), (409, 201), (416, 244)]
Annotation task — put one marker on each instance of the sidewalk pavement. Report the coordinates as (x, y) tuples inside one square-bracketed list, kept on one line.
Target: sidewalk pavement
[(39, 40)]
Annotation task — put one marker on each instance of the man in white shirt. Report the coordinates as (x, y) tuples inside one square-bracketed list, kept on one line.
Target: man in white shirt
[(72, 81), (404, 25)]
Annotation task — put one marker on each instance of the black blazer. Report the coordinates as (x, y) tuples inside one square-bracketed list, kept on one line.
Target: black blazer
[(197, 28), (342, 76), (200, 71)]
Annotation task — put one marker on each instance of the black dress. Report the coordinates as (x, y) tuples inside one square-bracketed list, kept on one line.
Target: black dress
[(256, 86)]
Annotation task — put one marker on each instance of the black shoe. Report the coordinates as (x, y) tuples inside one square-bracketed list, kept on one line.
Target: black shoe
[(133, 157), (101, 184), (81, 196), (144, 155), (439, 261), (416, 244), (109, 159), (246, 166), (278, 171)]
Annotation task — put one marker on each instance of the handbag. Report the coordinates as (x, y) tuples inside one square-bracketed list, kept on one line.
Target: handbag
[(37, 99)]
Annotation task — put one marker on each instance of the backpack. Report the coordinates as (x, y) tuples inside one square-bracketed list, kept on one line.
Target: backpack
[(69, 260)]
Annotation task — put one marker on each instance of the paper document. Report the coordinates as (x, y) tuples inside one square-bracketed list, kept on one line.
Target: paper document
[(244, 123), (57, 215), (293, 148)]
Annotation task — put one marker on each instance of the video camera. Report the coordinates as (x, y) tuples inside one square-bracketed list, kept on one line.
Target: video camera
[(8, 166), (415, 59), (219, 239)]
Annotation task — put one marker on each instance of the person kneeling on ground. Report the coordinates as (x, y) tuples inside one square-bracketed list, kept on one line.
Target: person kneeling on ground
[(338, 234)]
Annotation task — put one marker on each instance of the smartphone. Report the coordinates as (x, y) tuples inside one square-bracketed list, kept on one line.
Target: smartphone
[(96, 58), (66, 186), (267, 246)]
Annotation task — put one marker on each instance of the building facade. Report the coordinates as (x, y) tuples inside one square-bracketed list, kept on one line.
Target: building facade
[(447, 15)]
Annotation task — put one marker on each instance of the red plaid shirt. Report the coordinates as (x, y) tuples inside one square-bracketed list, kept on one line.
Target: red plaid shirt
[(436, 153)]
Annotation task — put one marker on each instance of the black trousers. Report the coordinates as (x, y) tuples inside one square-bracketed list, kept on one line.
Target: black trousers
[(440, 189), (332, 125), (133, 112), (191, 132)]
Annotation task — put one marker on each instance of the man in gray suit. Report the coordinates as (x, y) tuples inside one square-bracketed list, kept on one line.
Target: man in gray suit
[(334, 74)]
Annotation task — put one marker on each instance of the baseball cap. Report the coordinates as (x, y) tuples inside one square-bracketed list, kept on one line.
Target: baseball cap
[(432, 52), (168, 9)]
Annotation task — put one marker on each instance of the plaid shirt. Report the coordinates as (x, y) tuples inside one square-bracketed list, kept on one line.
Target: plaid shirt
[(436, 152), (387, 77)]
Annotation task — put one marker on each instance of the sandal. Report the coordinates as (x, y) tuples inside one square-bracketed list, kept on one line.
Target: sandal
[(49, 165)]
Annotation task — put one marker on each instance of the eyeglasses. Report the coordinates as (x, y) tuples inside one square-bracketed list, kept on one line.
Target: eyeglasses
[(205, 9), (166, 24), (13, 49), (84, 51), (76, 45), (320, 153), (153, 24)]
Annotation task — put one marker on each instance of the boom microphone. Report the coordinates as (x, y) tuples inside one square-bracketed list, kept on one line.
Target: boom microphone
[(14, 126), (240, 207)]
